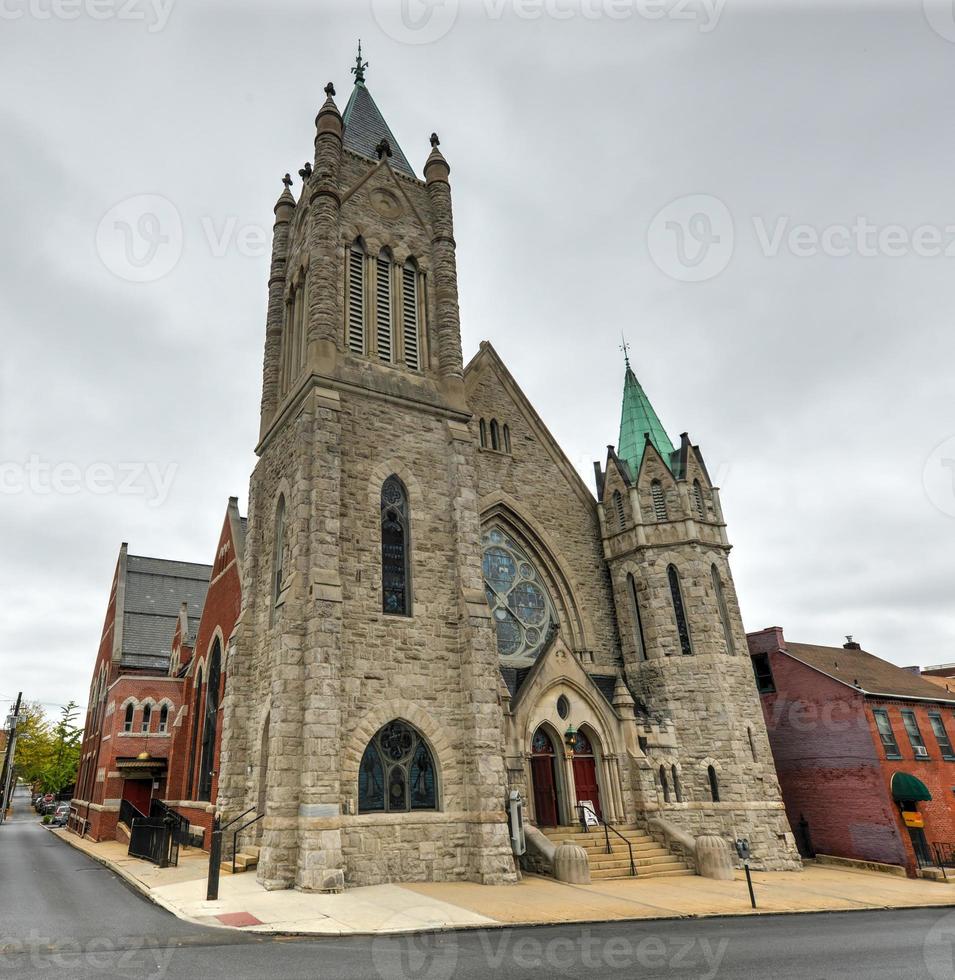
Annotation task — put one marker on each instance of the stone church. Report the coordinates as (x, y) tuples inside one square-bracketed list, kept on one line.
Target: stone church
[(437, 608)]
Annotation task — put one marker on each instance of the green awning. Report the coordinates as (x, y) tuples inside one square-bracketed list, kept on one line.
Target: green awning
[(906, 787)]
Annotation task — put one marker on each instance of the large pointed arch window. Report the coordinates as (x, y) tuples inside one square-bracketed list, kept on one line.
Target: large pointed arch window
[(520, 604), (207, 759), (397, 772), (724, 611), (639, 640), (395, 549), (355, 297), (679, 612)]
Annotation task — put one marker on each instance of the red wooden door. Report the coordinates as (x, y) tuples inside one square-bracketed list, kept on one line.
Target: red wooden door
[(544, 779), (545, 793), (585, 781), (138, 792)]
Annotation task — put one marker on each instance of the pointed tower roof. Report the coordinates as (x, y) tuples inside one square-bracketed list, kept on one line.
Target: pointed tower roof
[(637, 419), (365, 127)]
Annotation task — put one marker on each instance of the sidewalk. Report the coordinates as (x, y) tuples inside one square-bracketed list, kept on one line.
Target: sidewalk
[(243, 903)]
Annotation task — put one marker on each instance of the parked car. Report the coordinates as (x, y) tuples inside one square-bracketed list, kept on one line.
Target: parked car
[(48, 807), (61, 815)]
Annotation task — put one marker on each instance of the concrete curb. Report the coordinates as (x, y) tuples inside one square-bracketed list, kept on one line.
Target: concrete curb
[(145, 891)]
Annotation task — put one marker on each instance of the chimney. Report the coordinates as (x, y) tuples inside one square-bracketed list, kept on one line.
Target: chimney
[(850, 644)]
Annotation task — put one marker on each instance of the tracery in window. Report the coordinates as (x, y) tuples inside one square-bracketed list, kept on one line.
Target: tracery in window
[(397, 772), (395, 549), (522, 609)]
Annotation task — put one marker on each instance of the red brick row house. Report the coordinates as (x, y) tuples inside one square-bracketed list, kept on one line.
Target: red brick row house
[(863, 750), (153, 727)]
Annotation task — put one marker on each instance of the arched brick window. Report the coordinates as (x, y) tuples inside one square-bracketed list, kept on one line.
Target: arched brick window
[(128, 718)]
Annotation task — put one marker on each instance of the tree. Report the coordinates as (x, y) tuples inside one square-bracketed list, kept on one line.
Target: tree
[(63, 759), (33, 742)]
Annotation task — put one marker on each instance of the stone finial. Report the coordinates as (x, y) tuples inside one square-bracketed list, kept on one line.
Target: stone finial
[(436, 167), (306, 171), (435, 141), (330, 90), (383, 149), (287, 180)]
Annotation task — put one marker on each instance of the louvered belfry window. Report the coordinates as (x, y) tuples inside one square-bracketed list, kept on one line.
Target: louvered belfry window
[(409, 314), (619, 513), (356, 299), (383, 307), (659, 501), (698, 500)]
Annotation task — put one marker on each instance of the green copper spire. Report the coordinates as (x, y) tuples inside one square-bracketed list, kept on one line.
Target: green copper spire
[(636, 419)]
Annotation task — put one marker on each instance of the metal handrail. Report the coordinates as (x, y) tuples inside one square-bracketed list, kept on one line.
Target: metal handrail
[(245, 813), (235, 835), (608, 827)]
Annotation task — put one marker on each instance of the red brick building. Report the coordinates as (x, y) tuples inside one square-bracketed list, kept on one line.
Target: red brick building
[(152, 726), (863, 750)]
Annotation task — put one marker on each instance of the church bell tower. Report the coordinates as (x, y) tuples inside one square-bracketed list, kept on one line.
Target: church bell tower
[(364, 717)]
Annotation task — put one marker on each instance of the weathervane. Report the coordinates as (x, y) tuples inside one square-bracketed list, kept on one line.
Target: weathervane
[(625, 347), (359, 70)]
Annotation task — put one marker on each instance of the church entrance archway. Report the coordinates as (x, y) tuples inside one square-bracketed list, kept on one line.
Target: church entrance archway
[(585, 772), (544, 778)]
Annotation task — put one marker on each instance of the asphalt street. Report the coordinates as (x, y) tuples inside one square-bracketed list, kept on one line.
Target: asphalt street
[(63, 915)]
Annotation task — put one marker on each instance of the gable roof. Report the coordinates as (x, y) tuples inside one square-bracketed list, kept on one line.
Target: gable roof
[(155, 589), (488, 356), (365, 127), (871, 674), (637, 420)]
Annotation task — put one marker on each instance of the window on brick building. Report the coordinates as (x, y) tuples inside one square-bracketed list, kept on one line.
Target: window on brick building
[(128, 719), (164, 719), (639, 641), (664, 785), (679, 612), (677, 788), (765, 683), (886, 734), (147, 717), (915, 736), (207, 758), (659, 500), (941, 736), (714, 784), (395, 549)]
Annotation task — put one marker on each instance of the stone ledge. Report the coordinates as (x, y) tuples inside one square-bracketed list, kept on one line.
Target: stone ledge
[(844, 862)]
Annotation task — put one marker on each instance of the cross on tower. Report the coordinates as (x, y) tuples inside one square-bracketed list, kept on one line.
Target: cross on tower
[(287, 180), (359, 70)]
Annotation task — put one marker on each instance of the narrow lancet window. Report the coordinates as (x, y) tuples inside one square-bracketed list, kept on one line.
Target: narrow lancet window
[(395, 549), (679, 613)]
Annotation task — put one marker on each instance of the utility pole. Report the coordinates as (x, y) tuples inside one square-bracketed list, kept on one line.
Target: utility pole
[(11, 757)]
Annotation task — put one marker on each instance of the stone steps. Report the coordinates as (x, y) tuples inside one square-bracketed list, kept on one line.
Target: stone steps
[(650, 858), (244, 861)]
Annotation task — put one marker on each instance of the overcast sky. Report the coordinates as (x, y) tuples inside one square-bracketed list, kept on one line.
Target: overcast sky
[(812, 365)]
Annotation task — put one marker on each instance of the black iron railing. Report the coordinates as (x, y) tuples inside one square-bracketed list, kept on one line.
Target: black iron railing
[(158, 810), (128, 813), (235, 836), (944, 852), (215, 853), (153, 841), (607, 831)]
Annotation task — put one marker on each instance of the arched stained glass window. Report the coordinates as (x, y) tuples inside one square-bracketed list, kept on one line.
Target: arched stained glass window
[(395, 549), (679, 613), (639, 641), (520, 604), (724, 612), (147, 716), (128, 719), (397, 772), (207, 759), (164, 718)]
